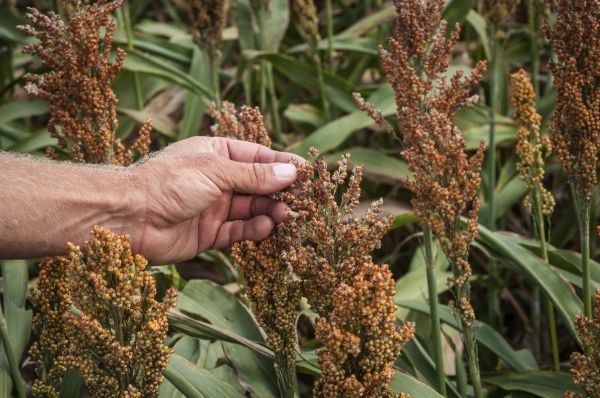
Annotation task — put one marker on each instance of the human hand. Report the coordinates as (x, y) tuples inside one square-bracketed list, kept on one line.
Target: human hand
[(204, 193)]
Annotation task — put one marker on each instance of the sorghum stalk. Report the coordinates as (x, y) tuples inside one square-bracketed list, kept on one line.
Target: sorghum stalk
[(13, 363), (268, 283), (575, 129), (436, 328), (532, 149), (539, 221), (445, 181)]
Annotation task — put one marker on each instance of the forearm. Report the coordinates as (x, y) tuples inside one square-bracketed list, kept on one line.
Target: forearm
[(44, 204)]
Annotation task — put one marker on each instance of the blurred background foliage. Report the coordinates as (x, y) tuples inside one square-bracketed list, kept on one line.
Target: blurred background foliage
[(303, 82)]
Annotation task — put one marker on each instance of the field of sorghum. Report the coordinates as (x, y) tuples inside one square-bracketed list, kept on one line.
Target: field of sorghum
[(441, 240)]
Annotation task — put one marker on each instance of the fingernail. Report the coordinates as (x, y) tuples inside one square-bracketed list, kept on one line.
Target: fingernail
[(284, 171)]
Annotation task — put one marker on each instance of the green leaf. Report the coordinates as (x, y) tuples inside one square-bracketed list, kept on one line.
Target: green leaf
[(484, 334), (206, 383), (35, 141), (213, 303), (478, 23), (304, 114), (408, 384), (404, 219), (22, 109), (375, 163), (15, 275), (424, 366), (195, 106), (140, 62), (539, 383), (361, 45), (506, 246), (370, 22), (456, 11), (338, 90), (337, 131)]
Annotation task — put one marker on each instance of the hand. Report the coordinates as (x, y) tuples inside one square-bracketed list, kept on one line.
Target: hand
[(204, 193)]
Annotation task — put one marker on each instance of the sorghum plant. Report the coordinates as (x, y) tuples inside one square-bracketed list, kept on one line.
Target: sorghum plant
[(586, 371), (83, 116), (97, 314), (445, 182), (323, 253), (575, 128), (532, 150), (352, 295), (268, 282)]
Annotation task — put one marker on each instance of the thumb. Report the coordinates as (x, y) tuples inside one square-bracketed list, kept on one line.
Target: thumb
[(254, 178)]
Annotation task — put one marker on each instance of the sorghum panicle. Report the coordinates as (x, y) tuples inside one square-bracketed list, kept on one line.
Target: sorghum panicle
[(96, 313), (323, 253), (51, 300), (531, 147), (268, 282), (208, 21), (445, 181), (499, 12), (575, 129), (352, 295), (83, 116), (586, 371), (117, 334), (307, 18), (249, 126)]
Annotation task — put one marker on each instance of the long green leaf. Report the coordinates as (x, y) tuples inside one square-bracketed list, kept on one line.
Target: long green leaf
[(508, 249), (21, 109), (213, 303), (485, 335), (336, 132), (18, 318), (138, 61), (538, 383), (203, 380), (415, 388)]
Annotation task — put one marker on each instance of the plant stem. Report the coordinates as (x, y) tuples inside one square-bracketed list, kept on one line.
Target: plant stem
[(286, 377), (436, 330), (461, 374), (13, 364), (539, 221), (274, 104), (471, 348), (584, 231), (329, 17)]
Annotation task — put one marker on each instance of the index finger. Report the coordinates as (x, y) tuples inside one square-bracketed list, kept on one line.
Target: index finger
[(248, 152)]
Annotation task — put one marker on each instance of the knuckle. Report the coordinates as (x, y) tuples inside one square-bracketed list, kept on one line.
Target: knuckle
[(260, 174)]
